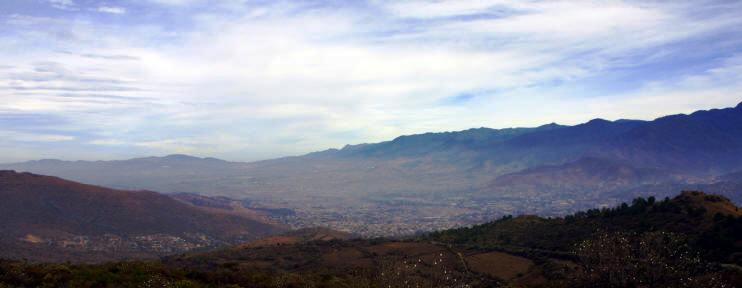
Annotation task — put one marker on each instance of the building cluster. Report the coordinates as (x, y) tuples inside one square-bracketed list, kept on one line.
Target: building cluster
[(158, 243), (395, 217)]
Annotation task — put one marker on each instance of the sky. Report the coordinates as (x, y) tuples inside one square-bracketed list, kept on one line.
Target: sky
[(249, 80)]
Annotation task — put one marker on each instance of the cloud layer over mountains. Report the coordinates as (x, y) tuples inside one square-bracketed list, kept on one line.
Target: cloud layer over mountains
[(246, 80)]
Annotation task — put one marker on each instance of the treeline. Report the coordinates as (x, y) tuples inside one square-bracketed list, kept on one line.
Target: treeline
[(647, 243), (717, 237), (641, 205)]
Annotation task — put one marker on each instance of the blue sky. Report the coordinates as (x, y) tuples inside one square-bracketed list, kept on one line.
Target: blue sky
[(249, 80)]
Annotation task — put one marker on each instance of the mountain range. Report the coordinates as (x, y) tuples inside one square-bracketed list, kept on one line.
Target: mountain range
[(550, 170)]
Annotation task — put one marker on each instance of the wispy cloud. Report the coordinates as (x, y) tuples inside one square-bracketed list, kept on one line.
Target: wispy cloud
[(34, 137), (63, 4), (238, 78), (111, 10)]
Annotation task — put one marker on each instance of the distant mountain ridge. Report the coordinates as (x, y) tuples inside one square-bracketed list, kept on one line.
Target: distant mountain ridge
[(719, 129), (636, 157), (709, 135), (137, 173)]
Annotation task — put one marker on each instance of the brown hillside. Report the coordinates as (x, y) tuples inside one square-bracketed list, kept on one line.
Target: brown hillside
[(299, 236), (712, 204), (65, 220)]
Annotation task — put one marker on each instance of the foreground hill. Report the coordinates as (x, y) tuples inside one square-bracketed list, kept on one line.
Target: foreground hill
[(692, 240), (48, 218), (710, 222)]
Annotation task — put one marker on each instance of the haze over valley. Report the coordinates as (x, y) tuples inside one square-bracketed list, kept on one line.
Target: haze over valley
[(370, 143), (435, 181)]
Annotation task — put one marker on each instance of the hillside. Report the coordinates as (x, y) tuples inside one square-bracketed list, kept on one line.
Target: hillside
[(584, 174), (580, 184), (229, 206), (711, 224), (691, 240), (48, 218), (172, 173), (299, 236)]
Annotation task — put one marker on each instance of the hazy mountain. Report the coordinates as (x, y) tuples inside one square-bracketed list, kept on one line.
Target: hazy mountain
[(173, 173), (45, 217), (456, 169), (707, 141), (589, 177), (704, 139), (732, 177)]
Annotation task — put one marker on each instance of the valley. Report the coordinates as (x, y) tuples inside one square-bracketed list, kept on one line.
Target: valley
[(434, 181), (370, 144), (689, 240)]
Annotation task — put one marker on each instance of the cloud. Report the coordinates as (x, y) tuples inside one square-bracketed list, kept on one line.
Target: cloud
[(435, 9), (107, 142), (252, 80), (112, 10), (63, 4), (32, 137), (109, 57), (463, 98), (174, 2)]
